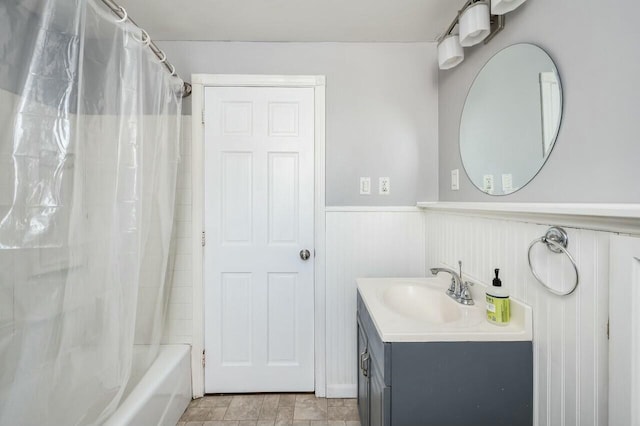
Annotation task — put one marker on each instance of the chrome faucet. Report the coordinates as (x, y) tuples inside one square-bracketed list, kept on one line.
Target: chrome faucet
[(454, 288), (459, 289)]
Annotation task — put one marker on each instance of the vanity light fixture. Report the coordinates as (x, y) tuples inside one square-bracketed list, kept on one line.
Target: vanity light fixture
[(478, 20), (450, 52), (474, 24), (500, 7)]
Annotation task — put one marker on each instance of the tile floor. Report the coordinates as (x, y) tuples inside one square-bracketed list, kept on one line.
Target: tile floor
[(270, 410)]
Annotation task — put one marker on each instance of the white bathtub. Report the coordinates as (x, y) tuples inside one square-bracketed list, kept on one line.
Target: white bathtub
[(162, 392)]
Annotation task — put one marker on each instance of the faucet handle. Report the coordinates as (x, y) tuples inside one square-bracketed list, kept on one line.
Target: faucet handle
[(460, 269), (452, 287), (465, 293)]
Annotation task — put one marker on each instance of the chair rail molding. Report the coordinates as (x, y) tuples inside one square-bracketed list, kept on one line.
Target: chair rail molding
[(618, 218)]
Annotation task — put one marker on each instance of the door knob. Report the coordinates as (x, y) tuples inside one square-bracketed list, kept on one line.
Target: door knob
[(305, 254)]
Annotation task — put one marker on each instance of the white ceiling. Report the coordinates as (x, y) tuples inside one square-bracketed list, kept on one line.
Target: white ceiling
[(294, 20)]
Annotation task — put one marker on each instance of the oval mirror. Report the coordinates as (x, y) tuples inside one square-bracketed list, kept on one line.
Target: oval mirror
[(510, 119)]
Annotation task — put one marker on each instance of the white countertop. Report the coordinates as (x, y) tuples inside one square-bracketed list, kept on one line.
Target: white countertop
[(470, 326)]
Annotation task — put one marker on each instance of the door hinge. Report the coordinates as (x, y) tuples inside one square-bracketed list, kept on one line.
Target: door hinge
[(203, 359), (204, 239), (608, 322), (203, 116)]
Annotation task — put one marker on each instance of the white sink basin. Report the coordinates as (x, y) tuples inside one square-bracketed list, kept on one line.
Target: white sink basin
[(419, 310), (421, 303)]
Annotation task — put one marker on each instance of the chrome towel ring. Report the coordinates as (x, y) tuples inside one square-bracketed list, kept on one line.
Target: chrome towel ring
[(557, 241)]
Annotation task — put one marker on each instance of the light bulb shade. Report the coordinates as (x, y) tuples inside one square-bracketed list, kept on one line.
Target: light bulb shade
[(475, 24), (450, 53), (500, 7)]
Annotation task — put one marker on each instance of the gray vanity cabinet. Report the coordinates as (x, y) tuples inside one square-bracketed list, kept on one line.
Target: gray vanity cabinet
[(374, 392), (363, 376), (379, 398), (442, 383)]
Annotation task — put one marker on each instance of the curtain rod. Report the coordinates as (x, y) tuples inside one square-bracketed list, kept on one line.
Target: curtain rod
[(121, 13)]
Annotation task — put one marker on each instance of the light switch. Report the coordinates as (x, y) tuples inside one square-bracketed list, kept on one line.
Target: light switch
[(385, 186), (455, 180), (365, 185)]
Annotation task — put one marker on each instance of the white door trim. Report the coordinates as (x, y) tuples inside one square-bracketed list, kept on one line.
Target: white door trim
[(199, 82)]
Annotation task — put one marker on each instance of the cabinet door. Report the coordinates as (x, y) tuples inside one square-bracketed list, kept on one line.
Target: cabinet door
[(379, 397), (363, 376)]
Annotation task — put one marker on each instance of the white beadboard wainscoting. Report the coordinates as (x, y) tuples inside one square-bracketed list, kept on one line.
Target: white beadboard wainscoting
[(624, 344), (570, 333), (363, 242)]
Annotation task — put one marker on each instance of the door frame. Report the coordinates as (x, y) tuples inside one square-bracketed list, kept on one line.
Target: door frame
[(199, 83)]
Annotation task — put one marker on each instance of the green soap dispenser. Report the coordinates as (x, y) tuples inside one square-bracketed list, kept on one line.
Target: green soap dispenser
[(498, 304)]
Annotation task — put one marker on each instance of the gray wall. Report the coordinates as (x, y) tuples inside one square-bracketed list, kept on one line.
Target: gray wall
[(597, 153), (382, 107)]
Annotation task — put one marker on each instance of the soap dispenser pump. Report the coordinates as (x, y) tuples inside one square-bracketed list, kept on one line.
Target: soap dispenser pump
[(498, 303)]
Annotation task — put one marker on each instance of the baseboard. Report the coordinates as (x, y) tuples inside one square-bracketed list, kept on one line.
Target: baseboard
[(342, 391)]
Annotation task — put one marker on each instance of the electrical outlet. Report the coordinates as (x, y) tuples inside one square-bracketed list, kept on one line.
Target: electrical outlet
[(385, 186), (365, 185), (507, 183), (455, 180), (487, 184)]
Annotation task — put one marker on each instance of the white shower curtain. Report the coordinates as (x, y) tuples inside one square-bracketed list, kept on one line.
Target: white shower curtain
[(89, 146)]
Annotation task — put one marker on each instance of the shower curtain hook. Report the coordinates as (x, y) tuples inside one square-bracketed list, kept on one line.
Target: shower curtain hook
[(163, 59), (173, 70), (146, 40), (124, 17)]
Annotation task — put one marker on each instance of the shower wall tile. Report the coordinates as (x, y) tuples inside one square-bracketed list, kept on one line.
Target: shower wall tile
[(180, 311), (186, 137), (6, 179), (179, 321), (184, 194), (181, 279), (179, 330), (182, 262), (6, 303), (8, 102), (181, 294), (183, 246), (183, 213), (183, 229), (146, 313)]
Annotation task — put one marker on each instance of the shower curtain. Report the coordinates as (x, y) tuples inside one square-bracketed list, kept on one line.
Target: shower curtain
[(89, 147)]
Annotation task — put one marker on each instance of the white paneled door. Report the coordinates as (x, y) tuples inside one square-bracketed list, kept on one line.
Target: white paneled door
[(258, 257)]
